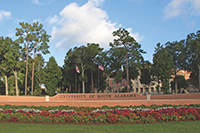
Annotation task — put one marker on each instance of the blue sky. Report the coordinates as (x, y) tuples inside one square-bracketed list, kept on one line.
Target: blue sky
[(78, 22)]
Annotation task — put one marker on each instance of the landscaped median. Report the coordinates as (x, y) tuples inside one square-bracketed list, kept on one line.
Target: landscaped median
[(103, 115)]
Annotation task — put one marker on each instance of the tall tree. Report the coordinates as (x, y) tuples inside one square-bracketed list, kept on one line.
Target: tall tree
[(39, 78), (132, 48), (10, 59), (175, 50), (182, 83), (145, 72), (92, 51), (117, 58), (4, 48), (193, 54), (40, 39), (69, 70), (14, 62), (53, 75), (26, 38), (103, 58), (162, 67), (82, 57)]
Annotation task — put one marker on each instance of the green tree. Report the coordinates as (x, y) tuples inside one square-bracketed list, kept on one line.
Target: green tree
[(103, 58), (39, 77), (181, 82), (145, 77), (2, 87), (53, 75), (175, 50), (26, 38), (69, 70), (194, 78), (82, 57), (132, 48), (14, 62), (193, 54), (162, 67), (92, 51), (117, 58), (5, 71), (11, 55), (40, 39)]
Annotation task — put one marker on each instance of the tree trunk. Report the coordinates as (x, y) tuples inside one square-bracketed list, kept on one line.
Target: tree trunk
[(127, 71), (92, 82), (79, 88), (6, 85), (117, 88), (26, 70), (83, 82), (175, 83), (32, 78), (16, 84), (70, 88), (33, 73), (176, 86)]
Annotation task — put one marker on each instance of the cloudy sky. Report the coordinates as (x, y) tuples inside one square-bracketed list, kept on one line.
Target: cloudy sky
[(78, 22)]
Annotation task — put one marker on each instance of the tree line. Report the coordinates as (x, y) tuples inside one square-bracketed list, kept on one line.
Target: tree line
[(23, 69)]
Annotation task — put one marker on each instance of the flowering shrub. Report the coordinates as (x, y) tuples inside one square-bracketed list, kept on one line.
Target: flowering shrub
[(112, 118), (109, 116)]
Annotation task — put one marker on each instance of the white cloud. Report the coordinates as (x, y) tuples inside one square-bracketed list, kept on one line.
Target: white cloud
[(179, 7), (36, 2), (136, 36), (37, 20), (53, 19), (83, 24), (4, 14), (11, 34)]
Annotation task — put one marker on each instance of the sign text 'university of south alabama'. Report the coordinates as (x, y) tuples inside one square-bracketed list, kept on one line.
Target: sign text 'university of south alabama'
[(93, 96)]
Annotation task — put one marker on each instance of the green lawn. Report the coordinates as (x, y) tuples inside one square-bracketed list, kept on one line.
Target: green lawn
[(173, 127)]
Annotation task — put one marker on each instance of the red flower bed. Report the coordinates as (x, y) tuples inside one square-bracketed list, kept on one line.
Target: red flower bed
[(111, 116)]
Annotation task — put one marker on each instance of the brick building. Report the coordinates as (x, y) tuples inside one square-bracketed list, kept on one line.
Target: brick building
[(136, 85)]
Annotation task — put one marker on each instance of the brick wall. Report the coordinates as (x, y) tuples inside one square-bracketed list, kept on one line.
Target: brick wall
[(98, 100)]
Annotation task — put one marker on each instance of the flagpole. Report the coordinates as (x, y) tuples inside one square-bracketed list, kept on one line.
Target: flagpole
[(98, 78), (101, 68), (75, 81)]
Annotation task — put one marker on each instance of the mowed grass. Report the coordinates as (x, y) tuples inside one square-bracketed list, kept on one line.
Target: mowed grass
[(172, 127)]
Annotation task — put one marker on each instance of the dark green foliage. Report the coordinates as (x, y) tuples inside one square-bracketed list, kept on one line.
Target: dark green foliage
[(53, 76), (145, 77), (181, 82), (176, 50), (193, 54), (10, 54), (133, 51), (162, 67)]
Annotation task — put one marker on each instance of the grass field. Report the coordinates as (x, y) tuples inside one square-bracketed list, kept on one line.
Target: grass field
[(172, 127)]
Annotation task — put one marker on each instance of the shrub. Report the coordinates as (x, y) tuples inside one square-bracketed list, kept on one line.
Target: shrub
[(69, 119), (13, 119), (25, 119), (57, 120), (112, 118)]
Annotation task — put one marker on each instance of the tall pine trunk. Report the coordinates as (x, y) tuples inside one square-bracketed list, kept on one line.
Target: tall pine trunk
[(26, 76), (127, 71), (92, 80), (83, 83), (70, 88), (33, 72), (16, 83), (175, 83), (6, 84)]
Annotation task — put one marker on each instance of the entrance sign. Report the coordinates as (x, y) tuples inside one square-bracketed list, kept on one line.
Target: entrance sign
[(99, 96)]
